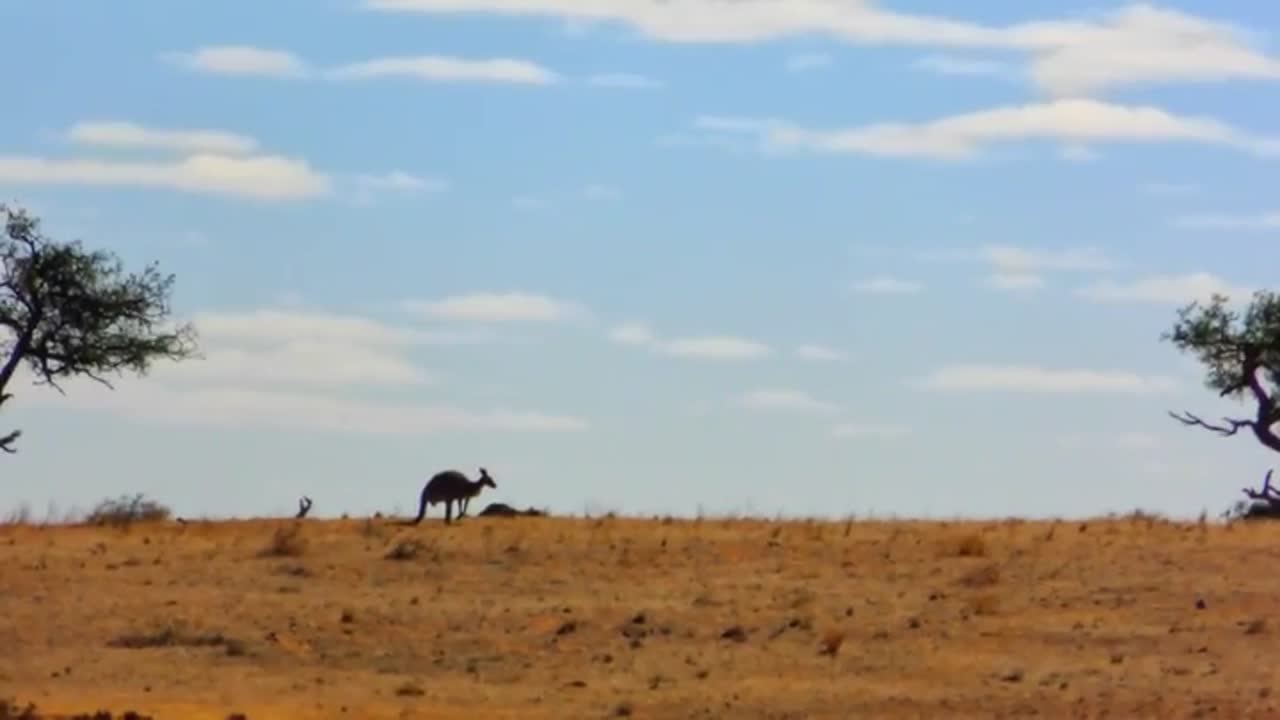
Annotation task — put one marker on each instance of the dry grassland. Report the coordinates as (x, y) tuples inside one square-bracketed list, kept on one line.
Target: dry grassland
[(578, 618)]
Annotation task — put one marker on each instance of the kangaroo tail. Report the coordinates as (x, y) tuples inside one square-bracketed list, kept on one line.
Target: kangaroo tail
[(422, 507)]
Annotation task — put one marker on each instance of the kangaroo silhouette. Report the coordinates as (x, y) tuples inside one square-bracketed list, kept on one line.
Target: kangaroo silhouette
[(448, 487)]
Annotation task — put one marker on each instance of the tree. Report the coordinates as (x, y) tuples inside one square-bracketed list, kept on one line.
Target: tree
[(1241, 352), (66, 311)]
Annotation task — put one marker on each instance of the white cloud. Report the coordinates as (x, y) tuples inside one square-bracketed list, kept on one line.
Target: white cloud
[(1164, 289), (400, 181), (311, 363), (238, 407), (528, 203), (438, 68), (118, 134), (306, 347), (715, 348), (1070, 121), (1031, 379), (272, 326), (886, 285), (495, 307), (868, 430), (1131, 440), (632, 334), (820, 353), (241, 60), (1013, 259), (785, 400), (1014, 281), (1140, 45), (598, 191), (263, 177), (943, 64), (1260, 221), (1077, 153), (801, 62), (285, 369), (625, 81), (1134, 45), (712, 347)]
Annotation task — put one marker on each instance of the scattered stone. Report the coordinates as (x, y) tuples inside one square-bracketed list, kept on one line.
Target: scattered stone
[(735, 633)]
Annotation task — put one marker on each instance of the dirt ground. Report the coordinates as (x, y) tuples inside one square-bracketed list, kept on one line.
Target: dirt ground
[(528, 617)]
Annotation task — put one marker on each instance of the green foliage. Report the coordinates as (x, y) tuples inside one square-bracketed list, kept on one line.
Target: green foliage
[(1233, 346), (66, 311)]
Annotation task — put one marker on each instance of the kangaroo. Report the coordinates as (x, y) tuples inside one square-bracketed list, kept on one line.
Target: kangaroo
[(449, 486)]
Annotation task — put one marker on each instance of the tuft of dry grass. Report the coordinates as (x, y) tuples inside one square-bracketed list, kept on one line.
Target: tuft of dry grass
[(286, 541), (971, 545)]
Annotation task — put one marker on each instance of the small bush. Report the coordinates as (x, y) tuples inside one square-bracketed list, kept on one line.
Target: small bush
[(985, 604), (124, 511), (971, 545), (404, 550), (985, 576), (287, 541)]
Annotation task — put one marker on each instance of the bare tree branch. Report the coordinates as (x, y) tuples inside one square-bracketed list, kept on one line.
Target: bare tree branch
[(6, 442), (1231, 427)]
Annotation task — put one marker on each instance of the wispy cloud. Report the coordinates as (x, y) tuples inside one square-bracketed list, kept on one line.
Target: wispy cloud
[(1259, 221), (1130, 440), (1032, 379), (887, 285), (716, 347), (943, 64), (1164, 289), (785, 400), (441, 68), (1071, 121), (859, 430), (1015, 259), (264, 177), (1138, 44), (1014, 281), (600, 191), (706, 347), (496, 307), (625, 81), (128, 135), (809, 61), (222, 405), (240, 60), (820, 353), (400, 181), (632, 334)]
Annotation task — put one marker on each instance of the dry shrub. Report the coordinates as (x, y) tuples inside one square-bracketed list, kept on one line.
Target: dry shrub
[(124, 511), (831, 641), (971, 545), (175, 635), (404, 550), (286, 541), (985, 576), (984, 604)]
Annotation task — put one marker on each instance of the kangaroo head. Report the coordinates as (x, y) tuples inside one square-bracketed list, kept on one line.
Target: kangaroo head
[(486, 480)]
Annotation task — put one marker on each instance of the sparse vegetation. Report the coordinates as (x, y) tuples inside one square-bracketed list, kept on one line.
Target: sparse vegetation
[(125, 510), (286, 541), (941, 625)]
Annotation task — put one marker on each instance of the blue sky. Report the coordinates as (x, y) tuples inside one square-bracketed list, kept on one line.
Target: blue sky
[(801, 257)]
